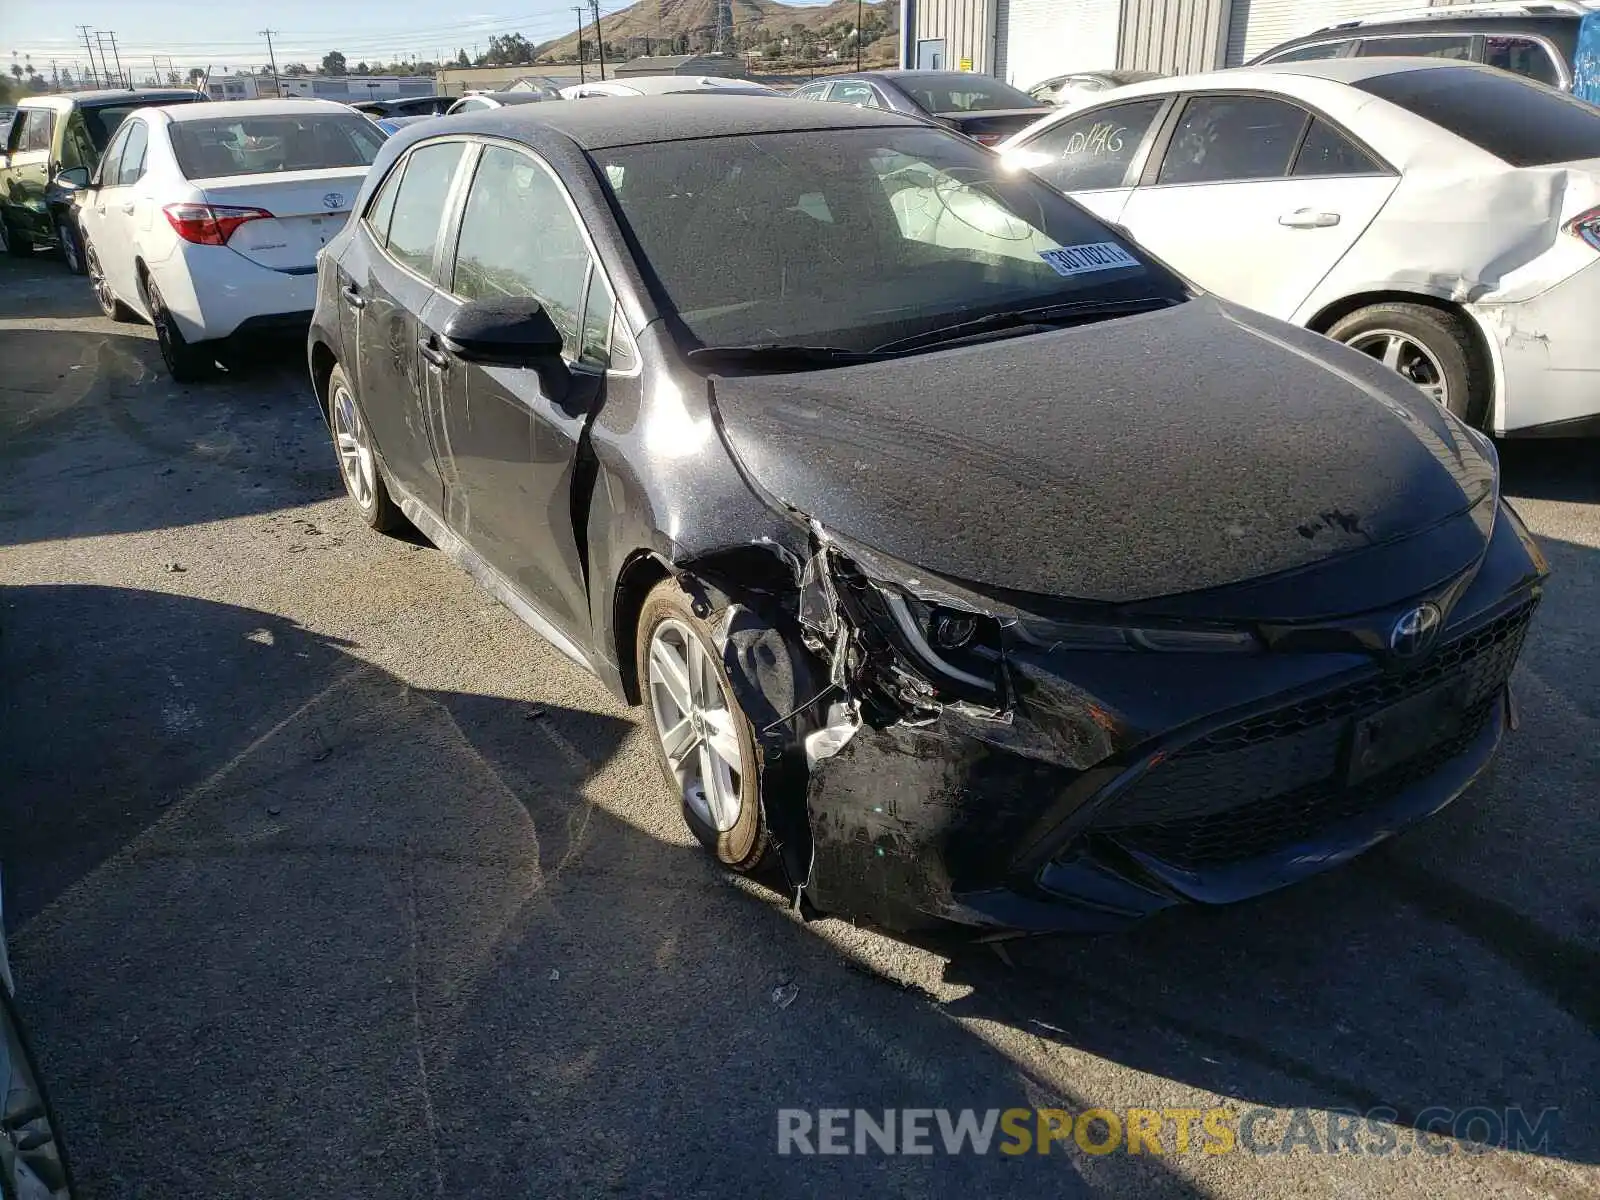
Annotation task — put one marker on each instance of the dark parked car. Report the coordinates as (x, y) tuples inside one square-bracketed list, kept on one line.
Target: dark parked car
[(51, 134), (1556, 42), (979, 106), (33, 1157), (995, 579), (406, 106)]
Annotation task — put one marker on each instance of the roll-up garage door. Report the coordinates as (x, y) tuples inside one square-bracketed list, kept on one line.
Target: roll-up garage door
[(1053, 37)]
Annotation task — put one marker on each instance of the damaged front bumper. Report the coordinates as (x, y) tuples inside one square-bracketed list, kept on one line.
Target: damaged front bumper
[(1026, 785)]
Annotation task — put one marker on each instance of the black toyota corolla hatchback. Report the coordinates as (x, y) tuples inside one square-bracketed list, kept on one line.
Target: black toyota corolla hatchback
[(965, 559)]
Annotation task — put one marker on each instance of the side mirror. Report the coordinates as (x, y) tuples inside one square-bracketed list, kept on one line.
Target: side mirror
[(514, 333), (72, 179)]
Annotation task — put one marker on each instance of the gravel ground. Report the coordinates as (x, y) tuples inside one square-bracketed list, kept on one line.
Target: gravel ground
[(326, 878)]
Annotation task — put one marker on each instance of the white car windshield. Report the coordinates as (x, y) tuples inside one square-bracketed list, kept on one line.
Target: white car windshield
[(207, 149), (860, 237)]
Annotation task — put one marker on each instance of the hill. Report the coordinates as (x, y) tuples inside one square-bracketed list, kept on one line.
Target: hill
[(759, 27)]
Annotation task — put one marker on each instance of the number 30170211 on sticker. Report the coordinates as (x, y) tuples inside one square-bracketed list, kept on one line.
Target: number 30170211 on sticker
[(1096, 256)]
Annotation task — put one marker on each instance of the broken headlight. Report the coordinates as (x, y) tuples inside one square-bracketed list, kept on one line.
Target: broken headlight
[(962, 645), (1187, 639)]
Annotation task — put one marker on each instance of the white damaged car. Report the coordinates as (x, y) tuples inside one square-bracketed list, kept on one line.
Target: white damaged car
[(1440, 216)]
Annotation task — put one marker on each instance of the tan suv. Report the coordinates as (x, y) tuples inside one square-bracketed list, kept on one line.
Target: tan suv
[(47, 151)]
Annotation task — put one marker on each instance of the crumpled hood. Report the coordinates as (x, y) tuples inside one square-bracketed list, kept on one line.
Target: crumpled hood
[(1140, 457)]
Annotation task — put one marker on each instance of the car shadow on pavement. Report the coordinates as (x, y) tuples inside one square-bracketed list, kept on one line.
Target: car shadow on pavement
[(1458, 966), (40, 287), (1555, 469), (92, 414), (335, 935)]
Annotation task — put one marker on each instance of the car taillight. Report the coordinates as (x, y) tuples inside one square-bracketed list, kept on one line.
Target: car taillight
[(1586, 226), (210, 224)]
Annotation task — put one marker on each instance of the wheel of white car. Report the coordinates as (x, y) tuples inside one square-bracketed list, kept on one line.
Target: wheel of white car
[(1430, 347), (186, 362), (358, 457), (103, 295), (704, 742)]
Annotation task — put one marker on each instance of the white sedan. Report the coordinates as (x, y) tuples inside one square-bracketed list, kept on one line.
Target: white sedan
[(1439, 216), (206, 219), (666, 85)]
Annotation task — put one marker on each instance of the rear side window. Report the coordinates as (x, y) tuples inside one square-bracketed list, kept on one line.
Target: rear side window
[(1437, 46), (1094, 150), (1522, 56), (419, 204), (1519, 122), (1328, 152), (382, 207), (207, 149), (1220, 139), (35, 129), (854, 93)]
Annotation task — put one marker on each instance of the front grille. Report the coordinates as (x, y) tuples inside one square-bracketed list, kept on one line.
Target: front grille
[(1264, 782)]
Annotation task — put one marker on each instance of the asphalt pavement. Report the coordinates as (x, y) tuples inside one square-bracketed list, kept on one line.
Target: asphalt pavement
[(327, 878)]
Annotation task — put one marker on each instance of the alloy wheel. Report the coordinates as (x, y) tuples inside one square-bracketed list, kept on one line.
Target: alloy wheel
[(1408, 357), (356, 462), (97, 280), (695, 723)]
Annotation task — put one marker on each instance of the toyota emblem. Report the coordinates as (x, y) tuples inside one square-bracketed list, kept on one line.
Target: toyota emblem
[(1414, 632), (333, 201)]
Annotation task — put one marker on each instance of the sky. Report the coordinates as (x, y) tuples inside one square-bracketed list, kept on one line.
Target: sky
[(227, 35)]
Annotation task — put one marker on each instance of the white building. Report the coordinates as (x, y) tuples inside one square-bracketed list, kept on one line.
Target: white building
[(348, 89), (233, 87), (1024, 41)]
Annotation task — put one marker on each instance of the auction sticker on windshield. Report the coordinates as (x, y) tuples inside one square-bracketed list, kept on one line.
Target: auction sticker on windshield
[(1080, 260)]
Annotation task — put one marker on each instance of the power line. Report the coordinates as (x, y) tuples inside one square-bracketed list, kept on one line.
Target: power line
[(273, 59)]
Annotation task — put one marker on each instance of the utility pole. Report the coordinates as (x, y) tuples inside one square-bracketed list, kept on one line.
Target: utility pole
[(858, 35), (125, 80), (272, 58), (578, 8), (599, 38), (84, 29)]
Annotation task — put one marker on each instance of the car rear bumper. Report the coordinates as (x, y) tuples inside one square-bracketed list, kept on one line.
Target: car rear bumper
[(1548, 356), (214, 293)]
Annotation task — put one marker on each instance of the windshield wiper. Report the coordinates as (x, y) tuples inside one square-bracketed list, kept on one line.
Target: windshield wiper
[(780, 354), (1017, 318)]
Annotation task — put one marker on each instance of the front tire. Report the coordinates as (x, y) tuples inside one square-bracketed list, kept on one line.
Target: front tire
[(358, 458), (1430, 347), (186, 362), (103, 295), (70, 244), (704, 743)]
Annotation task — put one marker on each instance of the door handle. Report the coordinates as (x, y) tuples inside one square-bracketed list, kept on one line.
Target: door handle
[(1309, 218), (101, 209), (429, 349), (352, 296)]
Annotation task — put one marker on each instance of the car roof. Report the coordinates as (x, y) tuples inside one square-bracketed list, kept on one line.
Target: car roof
[(507, 97), (662, 85), (109, 97), (1334, 70), (224, 109), (673, 118)]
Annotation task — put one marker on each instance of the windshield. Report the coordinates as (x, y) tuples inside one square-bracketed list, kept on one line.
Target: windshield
[(964, 93), (858, 238), (222, 146)]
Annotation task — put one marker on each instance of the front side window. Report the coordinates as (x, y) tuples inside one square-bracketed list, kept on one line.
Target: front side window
[(419, 204), (382, 207), (496, 256), (131, 166), (77, 150), (1522, 56), (1435, 46), (209, 148), (1094, 150), (1506, 115), (812, 91), (859, 239), (1221, 139)]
